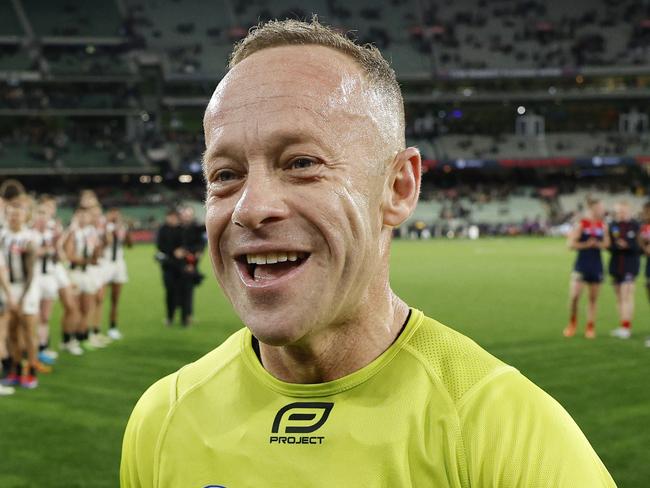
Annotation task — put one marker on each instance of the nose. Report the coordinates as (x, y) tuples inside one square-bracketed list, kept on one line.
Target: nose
[(261, 202)]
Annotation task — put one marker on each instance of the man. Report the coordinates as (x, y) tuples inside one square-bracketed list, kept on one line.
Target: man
[(588, 237), (169, 241), (624, 265), (335, 381), (193, 243)]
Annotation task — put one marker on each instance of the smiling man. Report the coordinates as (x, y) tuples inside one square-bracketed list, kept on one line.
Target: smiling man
[(335, 381)]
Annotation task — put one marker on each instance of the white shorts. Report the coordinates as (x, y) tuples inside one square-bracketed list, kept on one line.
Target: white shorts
[(84, 281), (104, 271), (116, 272), (49, 286), (98, 274), (61, 275), (32, 299)]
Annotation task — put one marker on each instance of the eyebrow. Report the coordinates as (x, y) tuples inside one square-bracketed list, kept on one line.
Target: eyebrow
[(280, 139)]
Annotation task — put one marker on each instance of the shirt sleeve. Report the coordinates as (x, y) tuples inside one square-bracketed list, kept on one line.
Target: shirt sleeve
[(516, 435), (139, 465)]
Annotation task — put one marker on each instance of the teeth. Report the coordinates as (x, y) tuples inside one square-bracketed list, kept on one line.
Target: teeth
[(273, 257)]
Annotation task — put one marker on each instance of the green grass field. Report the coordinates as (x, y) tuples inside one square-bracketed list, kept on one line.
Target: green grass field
[(510, 295)]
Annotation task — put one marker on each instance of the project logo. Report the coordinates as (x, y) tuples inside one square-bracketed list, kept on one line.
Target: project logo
[(300, 418)]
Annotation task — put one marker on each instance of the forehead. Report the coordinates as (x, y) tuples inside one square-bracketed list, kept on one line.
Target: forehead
[(309, 71), (313, 82)]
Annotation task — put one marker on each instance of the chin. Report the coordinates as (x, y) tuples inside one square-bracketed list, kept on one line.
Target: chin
[(277, 328)]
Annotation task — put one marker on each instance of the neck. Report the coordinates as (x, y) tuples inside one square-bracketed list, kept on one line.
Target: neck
[(340, 349)]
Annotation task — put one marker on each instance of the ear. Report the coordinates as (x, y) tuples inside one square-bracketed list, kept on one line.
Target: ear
[(402, 187)]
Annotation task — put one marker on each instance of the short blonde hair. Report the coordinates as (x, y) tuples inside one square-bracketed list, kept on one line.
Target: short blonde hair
[(376, 69)]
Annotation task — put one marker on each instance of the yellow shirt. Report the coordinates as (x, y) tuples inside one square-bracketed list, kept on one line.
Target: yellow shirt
[(434, 410)]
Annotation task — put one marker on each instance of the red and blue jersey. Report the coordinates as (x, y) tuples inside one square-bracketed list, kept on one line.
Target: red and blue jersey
[(589, 260), (645, 237)]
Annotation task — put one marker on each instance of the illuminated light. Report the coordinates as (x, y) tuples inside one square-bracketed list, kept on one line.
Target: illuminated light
[(157, 179), (552, 90), (185, 178), (467, 92), (90, 49), (521, 110), (145, 179), (579, 79), (457, 113), (144, 116)]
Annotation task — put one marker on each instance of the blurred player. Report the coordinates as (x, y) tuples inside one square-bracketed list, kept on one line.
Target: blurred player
[(624, 264), (117, 236), (80, 248), (644, 244), (193, 244), (168, 240), (6, 305), (47, 280), (97, 268), (20, 251), (65, 291), (588, 237)]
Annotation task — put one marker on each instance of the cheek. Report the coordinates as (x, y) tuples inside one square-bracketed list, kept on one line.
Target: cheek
[(217, 217), (345, 221)]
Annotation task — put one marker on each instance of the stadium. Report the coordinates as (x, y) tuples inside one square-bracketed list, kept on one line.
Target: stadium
[(528, 116)]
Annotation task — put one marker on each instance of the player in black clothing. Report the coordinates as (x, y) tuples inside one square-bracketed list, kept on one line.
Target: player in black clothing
[(193, 245), (644, 242), (624, 264), (169, 243)]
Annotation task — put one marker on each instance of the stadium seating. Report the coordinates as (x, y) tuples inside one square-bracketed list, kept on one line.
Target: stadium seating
[(73, 18), (509, 146), (9, 24)]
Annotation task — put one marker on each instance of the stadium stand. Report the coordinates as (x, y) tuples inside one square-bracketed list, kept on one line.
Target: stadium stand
[(495, 94)]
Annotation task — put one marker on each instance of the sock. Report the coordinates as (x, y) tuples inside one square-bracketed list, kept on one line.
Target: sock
[(573, 319), (43, 335), (6, 365), (95, 330), (67, 337), (626, 324), (590, 325), (80, 336), (41, 347), (113, 325)]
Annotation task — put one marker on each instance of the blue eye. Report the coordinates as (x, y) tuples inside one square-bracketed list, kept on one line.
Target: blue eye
[(302, 163), (225, 175)]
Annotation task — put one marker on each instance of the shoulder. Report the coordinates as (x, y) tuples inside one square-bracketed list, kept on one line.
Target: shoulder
[(165, 393), (155, 409), (209, 366), (513, 430), (452, 359)]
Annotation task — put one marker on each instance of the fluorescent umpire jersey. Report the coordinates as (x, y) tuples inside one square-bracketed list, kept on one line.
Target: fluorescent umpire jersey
[(434, 410)]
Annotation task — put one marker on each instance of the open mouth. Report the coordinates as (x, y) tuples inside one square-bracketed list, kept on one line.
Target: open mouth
[(265, 268)]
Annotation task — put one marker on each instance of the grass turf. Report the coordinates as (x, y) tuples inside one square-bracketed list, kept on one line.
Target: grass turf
[(509, 295)]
